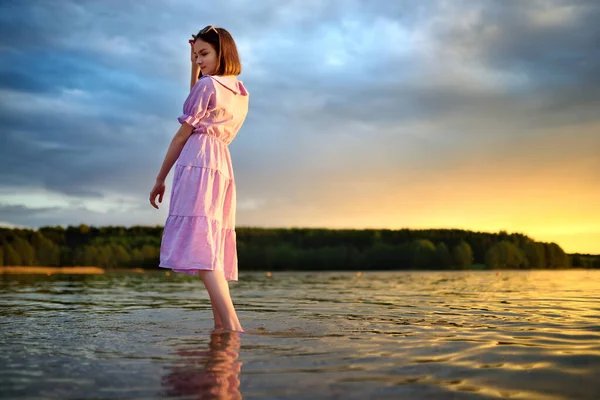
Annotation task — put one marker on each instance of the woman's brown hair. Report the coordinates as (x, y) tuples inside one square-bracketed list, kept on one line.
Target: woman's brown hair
[(228, 59)]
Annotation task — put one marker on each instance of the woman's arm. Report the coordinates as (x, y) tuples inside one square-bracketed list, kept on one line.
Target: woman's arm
[(174, 150), (173, 153), (195, 75)]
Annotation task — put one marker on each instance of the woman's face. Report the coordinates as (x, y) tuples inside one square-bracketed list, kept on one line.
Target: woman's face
[(206, 57)]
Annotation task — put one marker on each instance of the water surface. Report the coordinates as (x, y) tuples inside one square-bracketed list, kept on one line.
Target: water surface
[(384, 335)]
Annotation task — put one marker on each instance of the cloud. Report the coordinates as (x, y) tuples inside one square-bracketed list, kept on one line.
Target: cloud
[(349, 99)]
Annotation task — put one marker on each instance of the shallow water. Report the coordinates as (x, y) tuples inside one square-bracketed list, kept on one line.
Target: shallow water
[(388, 335)]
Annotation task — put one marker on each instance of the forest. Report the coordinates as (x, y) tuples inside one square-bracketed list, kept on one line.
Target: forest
[(294, 249)]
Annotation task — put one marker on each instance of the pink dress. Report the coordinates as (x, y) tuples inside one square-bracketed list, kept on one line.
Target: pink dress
[(199, 233)]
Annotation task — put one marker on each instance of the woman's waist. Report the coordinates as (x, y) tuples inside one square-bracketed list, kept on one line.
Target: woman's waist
[(210, 134), (203, 151)]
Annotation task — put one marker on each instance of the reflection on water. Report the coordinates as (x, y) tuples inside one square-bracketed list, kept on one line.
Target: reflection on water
[(206, 373), (384, 335)]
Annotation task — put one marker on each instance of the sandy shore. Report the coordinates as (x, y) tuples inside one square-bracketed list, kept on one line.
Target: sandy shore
[(51, 270)]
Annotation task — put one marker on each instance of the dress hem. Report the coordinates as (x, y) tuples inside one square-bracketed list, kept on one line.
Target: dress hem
[(194, 270)]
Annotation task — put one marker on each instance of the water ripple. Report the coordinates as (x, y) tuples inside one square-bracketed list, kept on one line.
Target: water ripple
[(417, 335)]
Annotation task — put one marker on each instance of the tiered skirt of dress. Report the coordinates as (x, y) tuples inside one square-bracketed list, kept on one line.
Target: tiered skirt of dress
[(199, 232)]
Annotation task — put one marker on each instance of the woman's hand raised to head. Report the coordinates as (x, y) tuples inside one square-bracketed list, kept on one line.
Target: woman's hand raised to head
[(192, 55), (195, 68)]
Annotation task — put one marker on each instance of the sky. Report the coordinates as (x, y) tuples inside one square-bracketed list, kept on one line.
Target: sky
[(466, 114)]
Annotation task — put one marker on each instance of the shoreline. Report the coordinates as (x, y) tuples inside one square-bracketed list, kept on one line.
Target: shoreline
[(51, 270), (80, 270)]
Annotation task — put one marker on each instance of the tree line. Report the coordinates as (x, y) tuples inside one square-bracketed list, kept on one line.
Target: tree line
[(294, 249)]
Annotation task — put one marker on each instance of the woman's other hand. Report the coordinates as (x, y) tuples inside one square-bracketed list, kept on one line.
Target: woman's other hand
[(157, 190)]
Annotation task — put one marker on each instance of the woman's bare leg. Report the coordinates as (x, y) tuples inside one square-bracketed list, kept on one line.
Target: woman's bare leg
[(218, 323), (218, 290)]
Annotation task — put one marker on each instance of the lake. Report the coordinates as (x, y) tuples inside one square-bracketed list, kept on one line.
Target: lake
[(320, 335)]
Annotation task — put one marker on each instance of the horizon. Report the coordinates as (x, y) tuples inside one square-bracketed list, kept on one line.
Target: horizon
[(478, 116)]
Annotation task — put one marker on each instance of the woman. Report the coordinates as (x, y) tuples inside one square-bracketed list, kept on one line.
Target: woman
[(199, 235)]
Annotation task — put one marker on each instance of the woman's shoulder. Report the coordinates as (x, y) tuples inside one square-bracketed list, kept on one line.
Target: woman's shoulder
[(230, 82), (204, 84)]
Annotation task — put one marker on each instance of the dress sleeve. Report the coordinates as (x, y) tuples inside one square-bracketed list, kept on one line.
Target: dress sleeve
[(198, 102)]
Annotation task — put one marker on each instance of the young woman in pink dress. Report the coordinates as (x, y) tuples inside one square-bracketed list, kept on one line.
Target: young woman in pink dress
[(199, 234)]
